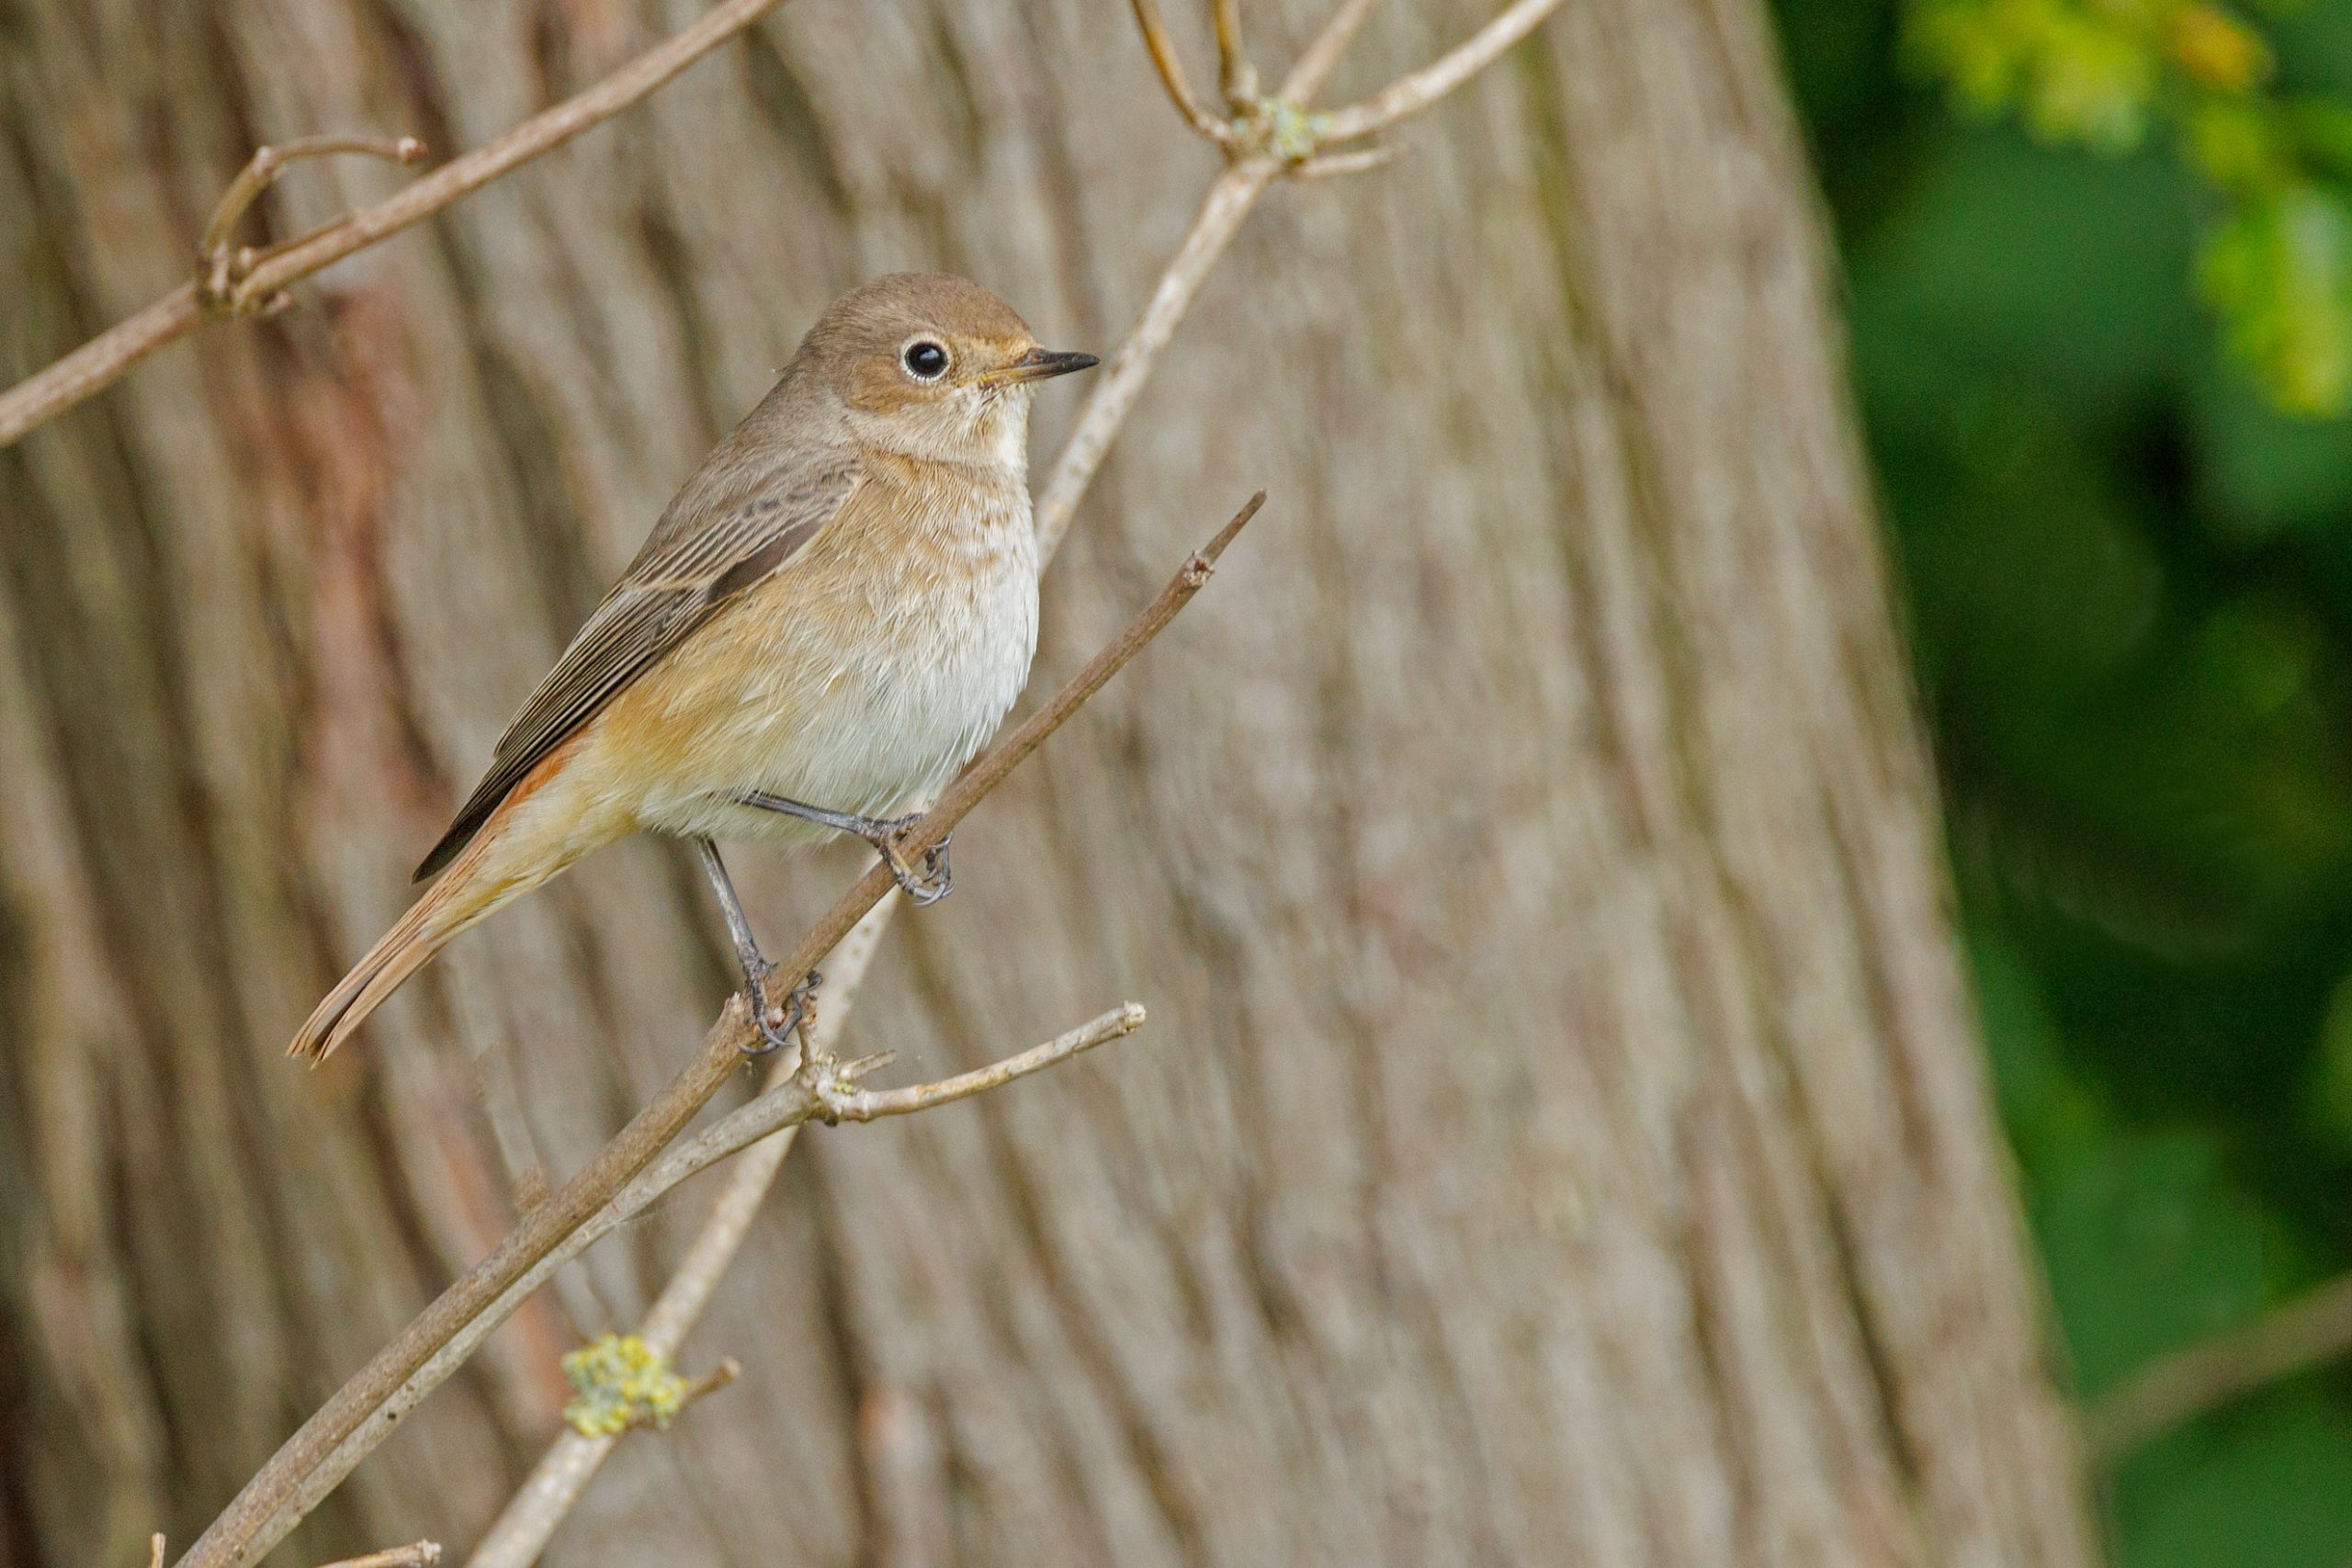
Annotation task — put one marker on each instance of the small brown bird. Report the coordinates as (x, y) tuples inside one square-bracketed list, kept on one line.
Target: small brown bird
[(828, 621)]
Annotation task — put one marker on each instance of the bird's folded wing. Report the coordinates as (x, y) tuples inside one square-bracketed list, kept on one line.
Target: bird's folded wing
[(683, 575)]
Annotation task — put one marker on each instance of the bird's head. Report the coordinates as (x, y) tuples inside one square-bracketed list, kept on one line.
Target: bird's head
[(932, 367)]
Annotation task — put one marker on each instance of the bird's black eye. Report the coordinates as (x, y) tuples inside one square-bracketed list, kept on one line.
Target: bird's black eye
[(925, 360)]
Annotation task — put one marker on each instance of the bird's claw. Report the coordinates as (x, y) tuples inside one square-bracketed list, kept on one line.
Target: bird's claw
[(778, 1032), (925, 885)]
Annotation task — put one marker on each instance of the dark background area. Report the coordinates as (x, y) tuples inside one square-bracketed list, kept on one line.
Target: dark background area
[(2130, 598)]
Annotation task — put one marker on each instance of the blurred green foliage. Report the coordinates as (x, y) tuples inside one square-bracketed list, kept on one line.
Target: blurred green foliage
[(2275, 254), (2129, 583)]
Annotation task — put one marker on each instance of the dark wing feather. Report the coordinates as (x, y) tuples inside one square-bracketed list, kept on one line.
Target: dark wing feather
[(683, 575)]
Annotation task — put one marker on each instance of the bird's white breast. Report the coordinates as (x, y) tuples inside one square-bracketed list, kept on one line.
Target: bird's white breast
[(881, 682), (945, 659)]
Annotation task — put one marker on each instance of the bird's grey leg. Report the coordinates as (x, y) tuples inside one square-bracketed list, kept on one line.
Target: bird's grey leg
[(757, 970), (925, 887)]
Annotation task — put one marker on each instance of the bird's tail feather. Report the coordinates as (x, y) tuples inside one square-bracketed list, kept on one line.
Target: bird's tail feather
[(462, 895)]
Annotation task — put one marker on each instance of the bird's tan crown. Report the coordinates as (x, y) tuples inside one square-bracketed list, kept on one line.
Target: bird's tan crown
[(859, 344)]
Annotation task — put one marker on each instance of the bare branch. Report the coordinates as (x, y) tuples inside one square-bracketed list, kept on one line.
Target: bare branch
[(1322, 56), (1122, 379), (1170, 66), (417, 1555), (361, 1413), (1228, 201), (103, 359), (261, 172), (853, 1104), (1409, 95), (285, 1488), (711, 1382), (817, 1093), (524, 1526), (2292, 1337), (1330, 165), (1235, 77)]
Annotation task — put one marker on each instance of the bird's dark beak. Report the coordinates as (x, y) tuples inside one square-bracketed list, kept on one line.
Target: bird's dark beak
[(1040, 363)]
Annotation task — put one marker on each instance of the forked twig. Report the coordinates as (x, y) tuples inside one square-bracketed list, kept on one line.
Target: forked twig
[(1170, 66), (104, 359), (524, 1526), (1249, 170), (1282, 127), (223, 269)]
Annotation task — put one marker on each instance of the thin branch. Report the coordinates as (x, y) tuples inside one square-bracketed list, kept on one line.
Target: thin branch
[(1170, 66), (522, 1528), (1410, 94), (1229, 199), (274, 1500), (818, 1093), (104, 358), (2292, 1337), (1321, 57), (362, 1413), (418, 1554), (765, 1127), (261, 172), (1121, 380), (1235, 77), (1331, 165), (854, 1105), (711, 1382)]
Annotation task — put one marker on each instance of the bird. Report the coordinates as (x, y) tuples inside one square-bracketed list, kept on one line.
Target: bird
[(826, 623)]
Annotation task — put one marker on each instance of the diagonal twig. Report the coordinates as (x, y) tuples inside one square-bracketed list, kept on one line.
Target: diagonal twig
[(2294, 1336), (417, 1555), (1410, 94), (104, 359), (1170, 66), (764, 1128)]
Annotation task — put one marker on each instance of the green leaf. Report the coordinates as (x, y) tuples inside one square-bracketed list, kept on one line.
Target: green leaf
[(2280, 272)]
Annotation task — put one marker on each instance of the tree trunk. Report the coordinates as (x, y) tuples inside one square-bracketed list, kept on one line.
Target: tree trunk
[(1560, 1137)]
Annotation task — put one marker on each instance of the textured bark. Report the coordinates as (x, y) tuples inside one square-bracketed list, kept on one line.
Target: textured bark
[(1561, 1136)]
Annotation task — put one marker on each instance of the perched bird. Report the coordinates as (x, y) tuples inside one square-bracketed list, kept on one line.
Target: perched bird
[(827, 622)]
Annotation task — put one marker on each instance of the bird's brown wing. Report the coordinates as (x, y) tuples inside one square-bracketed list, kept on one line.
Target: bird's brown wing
[(683, 575)]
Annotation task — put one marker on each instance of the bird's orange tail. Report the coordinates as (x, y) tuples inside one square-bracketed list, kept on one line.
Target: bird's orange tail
[(462, 895)]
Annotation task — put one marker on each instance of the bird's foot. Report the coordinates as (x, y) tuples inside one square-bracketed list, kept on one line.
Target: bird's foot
[(778, 1024), (925, 885)]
